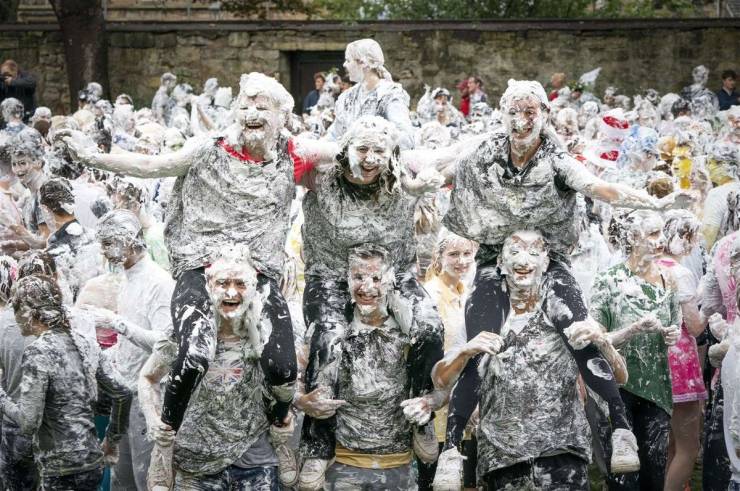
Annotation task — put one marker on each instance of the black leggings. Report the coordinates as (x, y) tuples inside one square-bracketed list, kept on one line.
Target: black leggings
[(487, 309), (716, 472), (327, 309), (651, 426), (195, 333)]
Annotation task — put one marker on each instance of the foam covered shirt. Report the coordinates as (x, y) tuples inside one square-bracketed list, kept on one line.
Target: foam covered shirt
[(373, 381), (144, 300), (491, 198), (223, 199), (227, 413), (621, 298), (58, 393), (529, 403), (340, 215), (388, 100)]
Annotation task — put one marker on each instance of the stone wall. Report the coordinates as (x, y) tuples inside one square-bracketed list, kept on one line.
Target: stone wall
[(634, 55)]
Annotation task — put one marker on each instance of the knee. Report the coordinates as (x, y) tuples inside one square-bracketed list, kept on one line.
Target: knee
[(279, 372)]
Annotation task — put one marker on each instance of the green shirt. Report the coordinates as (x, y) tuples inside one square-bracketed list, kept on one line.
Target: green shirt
[(621, 298)]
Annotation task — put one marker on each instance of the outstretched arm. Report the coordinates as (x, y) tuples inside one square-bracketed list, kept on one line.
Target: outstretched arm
[(129, 163), (577, 177), (443, 160)]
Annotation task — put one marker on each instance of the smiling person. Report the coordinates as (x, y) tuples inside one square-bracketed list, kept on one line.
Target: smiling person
[(374, 93), (359, 198), (235, 187), (533, 432), (448, 280), (226, 440), (26, 156), (522, 177), (638, 304), (374, 423)]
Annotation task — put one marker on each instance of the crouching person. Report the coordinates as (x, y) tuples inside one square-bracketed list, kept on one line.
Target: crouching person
[(226, 440), (374, 423)]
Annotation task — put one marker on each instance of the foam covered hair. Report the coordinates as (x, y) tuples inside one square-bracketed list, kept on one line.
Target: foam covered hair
[(520, 89), (42, 296), (371, 54), (122, 224), (228, 257), (251, 84)]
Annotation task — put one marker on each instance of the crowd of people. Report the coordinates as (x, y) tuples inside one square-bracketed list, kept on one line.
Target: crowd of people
[(215, 293)]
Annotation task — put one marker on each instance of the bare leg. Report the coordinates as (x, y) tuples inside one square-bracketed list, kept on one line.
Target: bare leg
[(685, 428)]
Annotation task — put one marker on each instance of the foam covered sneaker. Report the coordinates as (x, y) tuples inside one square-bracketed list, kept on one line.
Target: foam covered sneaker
[(426, 446), (449, 471), (313, 474), (624, 452)]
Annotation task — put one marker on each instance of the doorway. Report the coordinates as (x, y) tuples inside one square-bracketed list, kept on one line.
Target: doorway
[(303, 66)]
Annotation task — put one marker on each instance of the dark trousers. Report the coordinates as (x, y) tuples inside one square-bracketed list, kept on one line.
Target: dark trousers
[(17, 466), (651, 426), (562, 472), (327, 310), (82, 481), (195, 333), (716, 472), (486, 310)]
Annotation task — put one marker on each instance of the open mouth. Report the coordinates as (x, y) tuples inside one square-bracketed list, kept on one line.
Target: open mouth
[(523, 271), (230, 305), (254, 125), (365, 298)]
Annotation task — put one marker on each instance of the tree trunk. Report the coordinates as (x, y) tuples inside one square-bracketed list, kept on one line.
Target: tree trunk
[(85, 44), (8, 11)]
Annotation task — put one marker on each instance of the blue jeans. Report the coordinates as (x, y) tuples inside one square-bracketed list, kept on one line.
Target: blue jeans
[(232, 478), (733, 486), (82, 481)]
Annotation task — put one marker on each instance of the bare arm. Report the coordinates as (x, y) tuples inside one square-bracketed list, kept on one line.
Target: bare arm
[(443, 160), (577, 177), (155, 368), (319, 152), (449, 368), (580, 334), (134, 164)]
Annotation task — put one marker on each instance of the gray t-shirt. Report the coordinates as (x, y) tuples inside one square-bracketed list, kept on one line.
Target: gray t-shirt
[(373, 381), (223, 199), (340, 215), (227, 413), (529, 405), (491, 199)]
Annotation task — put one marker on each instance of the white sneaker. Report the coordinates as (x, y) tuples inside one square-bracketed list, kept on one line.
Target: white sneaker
[(426, 446), (313, 474), (287, 463), (449, 471), (624, 452), (161, 475)]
